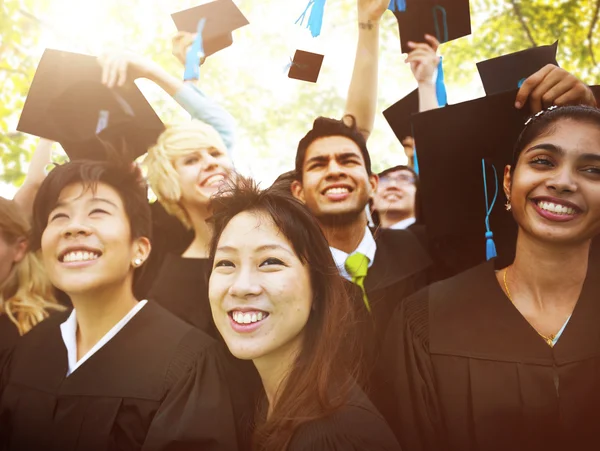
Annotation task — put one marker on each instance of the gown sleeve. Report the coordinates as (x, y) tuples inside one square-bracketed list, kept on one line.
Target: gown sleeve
[(197, 412), (408, 398)]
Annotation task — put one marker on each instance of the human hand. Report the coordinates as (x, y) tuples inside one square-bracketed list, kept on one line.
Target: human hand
[(182, 42), (423, 59), (553, 85), (118, 67), (370, 11)]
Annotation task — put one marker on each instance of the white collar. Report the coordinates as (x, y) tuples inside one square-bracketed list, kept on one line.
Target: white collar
[(367, 247), (68, 330), (404, 224)]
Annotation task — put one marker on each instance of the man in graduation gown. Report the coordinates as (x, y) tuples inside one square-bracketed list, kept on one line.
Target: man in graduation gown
[(114, 373)]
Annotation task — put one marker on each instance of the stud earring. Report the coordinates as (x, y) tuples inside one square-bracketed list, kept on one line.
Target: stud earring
[(137, 262), (507, 205)]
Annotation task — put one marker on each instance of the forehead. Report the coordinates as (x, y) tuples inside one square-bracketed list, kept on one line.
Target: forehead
[(331, 147), (78, 193), (397, 172), (572, 136), (251, 229)]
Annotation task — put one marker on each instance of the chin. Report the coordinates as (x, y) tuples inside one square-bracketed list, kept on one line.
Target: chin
[(244, 352)]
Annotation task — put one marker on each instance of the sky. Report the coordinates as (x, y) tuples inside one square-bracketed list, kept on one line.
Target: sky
[(88, 26)]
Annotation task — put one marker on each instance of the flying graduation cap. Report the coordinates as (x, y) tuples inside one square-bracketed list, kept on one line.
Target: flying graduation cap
[(222, 18), (508, 72), (461, 173), (398, 116), (306, 66), (68, 103), (445, 19)]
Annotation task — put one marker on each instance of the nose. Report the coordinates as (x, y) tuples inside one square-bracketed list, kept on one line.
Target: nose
[(244, 285), (562, 181), (335, 170), (75, 228), (210, 162)]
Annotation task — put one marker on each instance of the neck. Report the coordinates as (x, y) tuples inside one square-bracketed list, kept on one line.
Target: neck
[(549, 275), (202, 233), (389, 218), (346, 237), (275, 367), (98, 312)]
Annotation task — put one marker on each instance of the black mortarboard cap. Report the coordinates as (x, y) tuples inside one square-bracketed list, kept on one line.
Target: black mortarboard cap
[(451, 143), (507, 72), (445, 19), (399, 115), (222, 18), (68, 103), (306, 66)]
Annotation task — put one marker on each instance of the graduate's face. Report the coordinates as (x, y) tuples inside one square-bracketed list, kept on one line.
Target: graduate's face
[(87, 244), (555, 188), (201, 173), (335, 185), (11, 253), (260, 292), (396, 193)]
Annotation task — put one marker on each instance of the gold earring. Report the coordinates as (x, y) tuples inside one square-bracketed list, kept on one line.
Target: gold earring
[(507, 205)]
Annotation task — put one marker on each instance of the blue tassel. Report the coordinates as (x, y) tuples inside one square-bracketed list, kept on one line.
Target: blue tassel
[(490, 246), (440, 87), (195, 54), (397, 5), (415, 161), (315, 20)]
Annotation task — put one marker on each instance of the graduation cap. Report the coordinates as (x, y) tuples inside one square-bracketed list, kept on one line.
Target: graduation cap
[(445, 19), (306, 66), (399, 115), (508, 72), (222, 18), (68, 103), (456, 192)]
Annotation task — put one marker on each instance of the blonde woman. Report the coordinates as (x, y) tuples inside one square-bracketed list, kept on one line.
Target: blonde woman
[(26, 295)]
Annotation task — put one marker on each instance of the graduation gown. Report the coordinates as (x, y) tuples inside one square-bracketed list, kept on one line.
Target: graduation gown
[(9, 334), (468, 372), (156, 385), (355, 426)]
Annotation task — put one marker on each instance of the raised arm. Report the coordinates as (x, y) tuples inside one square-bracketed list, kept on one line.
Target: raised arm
[(424, 62), (42, 157), (117, 68), (362, 94)]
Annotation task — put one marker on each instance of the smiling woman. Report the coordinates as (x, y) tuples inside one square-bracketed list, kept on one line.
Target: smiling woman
[(503, 360), (278, 300)]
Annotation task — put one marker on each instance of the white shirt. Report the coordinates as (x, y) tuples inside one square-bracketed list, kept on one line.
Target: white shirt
[(366, 247), (68, 330), (404, 224)]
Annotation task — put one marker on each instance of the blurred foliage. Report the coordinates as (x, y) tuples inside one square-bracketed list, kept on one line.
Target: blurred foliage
[(271, 120)]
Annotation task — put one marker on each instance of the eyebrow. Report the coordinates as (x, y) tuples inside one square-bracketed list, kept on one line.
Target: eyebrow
[(265, 247), (549, 147), (341, 156), (93, 200)]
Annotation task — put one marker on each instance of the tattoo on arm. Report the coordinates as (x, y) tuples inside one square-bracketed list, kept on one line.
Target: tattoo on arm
[(365, 25)]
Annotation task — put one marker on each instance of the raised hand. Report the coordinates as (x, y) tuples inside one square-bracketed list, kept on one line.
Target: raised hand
[(371, 10), (119, 67), (181, 44), (423, 59), (552, 85)]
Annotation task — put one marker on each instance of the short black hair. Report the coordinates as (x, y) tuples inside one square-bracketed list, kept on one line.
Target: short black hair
[(324, 127), (122, 177), (400, 167)]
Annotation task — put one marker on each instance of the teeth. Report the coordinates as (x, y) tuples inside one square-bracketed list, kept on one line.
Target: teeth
[(248, 317), (337, 191), (556, 208), (214, 180), (80, 256)]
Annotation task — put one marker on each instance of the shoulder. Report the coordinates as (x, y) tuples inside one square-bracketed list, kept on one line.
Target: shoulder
[(402, 249)]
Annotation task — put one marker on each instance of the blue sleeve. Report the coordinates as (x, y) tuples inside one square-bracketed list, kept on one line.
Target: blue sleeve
[(205, 109)]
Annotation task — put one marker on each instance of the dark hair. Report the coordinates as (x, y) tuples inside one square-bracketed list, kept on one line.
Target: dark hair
[(399, 167), (284, 181), (122, 177), (544, 123), (324, 127), (319, 381)]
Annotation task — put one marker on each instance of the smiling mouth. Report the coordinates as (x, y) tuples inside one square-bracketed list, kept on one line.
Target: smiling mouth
[(337, 190), (213, 180), (248, 317), (79, 256), (555, 208)]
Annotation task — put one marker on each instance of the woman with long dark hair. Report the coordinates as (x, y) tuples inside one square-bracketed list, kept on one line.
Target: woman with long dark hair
[(278, 300), (509, 359)]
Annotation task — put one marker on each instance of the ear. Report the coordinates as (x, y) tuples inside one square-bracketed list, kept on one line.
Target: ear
[(141, 249), (507, 181), (373, 183), (298, 190), (20, 250)]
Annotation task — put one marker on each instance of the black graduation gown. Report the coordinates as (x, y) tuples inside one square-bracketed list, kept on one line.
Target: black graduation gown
[(471, 373), (156, 385), (400, 269), (355, 426), (9, 334), (181, 287)]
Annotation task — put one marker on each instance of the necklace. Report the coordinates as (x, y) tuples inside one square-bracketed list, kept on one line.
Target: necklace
[(548, 339)]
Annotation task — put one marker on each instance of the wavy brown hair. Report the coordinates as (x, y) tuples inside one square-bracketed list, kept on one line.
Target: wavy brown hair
[(319, 381), (26, 296)]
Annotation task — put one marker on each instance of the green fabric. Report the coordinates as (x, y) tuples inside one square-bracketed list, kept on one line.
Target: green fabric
[(357, 266)]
